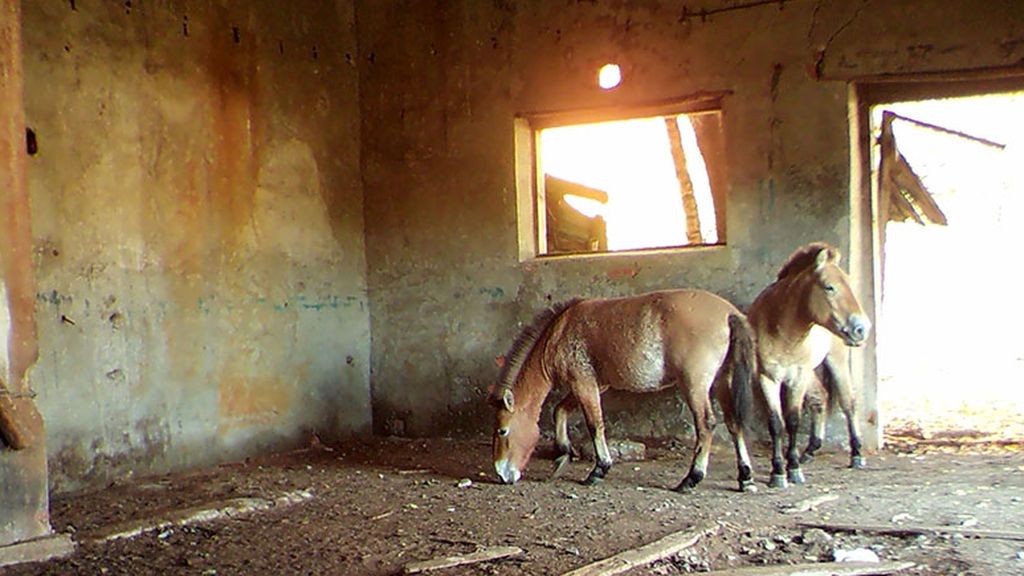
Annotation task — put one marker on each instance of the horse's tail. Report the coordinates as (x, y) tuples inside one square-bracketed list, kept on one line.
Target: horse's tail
[(742, 357)]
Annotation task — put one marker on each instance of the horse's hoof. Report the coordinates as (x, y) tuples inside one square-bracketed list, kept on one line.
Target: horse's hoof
[(806, 458), (858, 462), (748, 486), (686, 486), (796, 476), (690, 482), (777, 481), (560, 464), (597, 474)]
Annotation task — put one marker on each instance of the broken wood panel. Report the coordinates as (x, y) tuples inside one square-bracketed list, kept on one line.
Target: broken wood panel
[(905, 194), (950, 131), (908, 182), (900, 208), (568, 230)]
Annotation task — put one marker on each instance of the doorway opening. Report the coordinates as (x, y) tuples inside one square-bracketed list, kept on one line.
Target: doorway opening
[(949, 193)]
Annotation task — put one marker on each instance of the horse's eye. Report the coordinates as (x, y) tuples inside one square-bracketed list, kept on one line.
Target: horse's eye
[(830, 289), (502, 432)]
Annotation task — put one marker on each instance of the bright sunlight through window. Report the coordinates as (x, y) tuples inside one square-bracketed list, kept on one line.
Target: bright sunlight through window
[(631, 184)]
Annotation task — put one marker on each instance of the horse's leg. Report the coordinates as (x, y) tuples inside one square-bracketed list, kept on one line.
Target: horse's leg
[(771, 392), (562, 442), (744, 471), (838, 373), (816, 403), (703, 421), (589, 396), (792, 406)]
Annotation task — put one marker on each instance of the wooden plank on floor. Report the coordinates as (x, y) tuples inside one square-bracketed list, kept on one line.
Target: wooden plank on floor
[(904, 530), (37, 550), (818, 569), (633, 558), (231, 508), (482, 555)]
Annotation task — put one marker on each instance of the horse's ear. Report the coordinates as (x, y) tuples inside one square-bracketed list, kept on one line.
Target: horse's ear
[(826, 255), (509, 400)]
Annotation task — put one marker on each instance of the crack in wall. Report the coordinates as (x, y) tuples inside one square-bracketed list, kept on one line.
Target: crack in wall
[(819, 64), (704, 13)]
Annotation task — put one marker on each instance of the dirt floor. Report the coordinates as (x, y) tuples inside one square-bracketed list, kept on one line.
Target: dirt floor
[(382, 503)]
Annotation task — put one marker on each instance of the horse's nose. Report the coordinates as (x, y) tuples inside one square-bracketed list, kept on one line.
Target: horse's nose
[(859, 328), (507, 471)]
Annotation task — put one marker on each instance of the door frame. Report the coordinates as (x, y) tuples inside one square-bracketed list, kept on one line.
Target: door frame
[(867, 230)]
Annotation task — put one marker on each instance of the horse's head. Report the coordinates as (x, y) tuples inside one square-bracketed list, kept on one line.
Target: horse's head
[(831, 300), (515, 420), (515, 436)]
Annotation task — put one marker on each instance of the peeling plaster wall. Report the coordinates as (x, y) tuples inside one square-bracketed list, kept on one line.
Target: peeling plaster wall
[(198, 230), (442, 81)]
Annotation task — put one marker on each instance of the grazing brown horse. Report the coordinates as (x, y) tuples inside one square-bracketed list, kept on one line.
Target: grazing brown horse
[(797, 320), (686, 338)]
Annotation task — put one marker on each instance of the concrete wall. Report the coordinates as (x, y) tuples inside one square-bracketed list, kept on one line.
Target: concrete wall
[(442, 81), (198, 230), (207, 274)]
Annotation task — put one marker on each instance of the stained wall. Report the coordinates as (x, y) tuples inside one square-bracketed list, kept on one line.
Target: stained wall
[(198, 231)]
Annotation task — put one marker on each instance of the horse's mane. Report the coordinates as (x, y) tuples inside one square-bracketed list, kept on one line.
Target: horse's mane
[(804, 258), (525, 341)]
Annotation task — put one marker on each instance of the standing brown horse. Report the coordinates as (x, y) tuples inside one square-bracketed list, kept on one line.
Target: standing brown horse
[(797, 320), (687, 338)]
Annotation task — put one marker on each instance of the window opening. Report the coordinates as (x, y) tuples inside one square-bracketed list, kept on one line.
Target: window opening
[(609, 76), (652, 182)]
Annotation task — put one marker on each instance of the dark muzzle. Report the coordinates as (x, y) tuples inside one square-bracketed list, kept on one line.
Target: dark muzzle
[(856, 330)]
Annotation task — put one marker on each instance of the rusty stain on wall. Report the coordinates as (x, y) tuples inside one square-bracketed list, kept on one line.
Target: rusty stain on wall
[(234, 99), (199, 232), (247, 401)]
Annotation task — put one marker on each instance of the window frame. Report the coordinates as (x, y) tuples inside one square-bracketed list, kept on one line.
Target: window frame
[(531, 221)]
